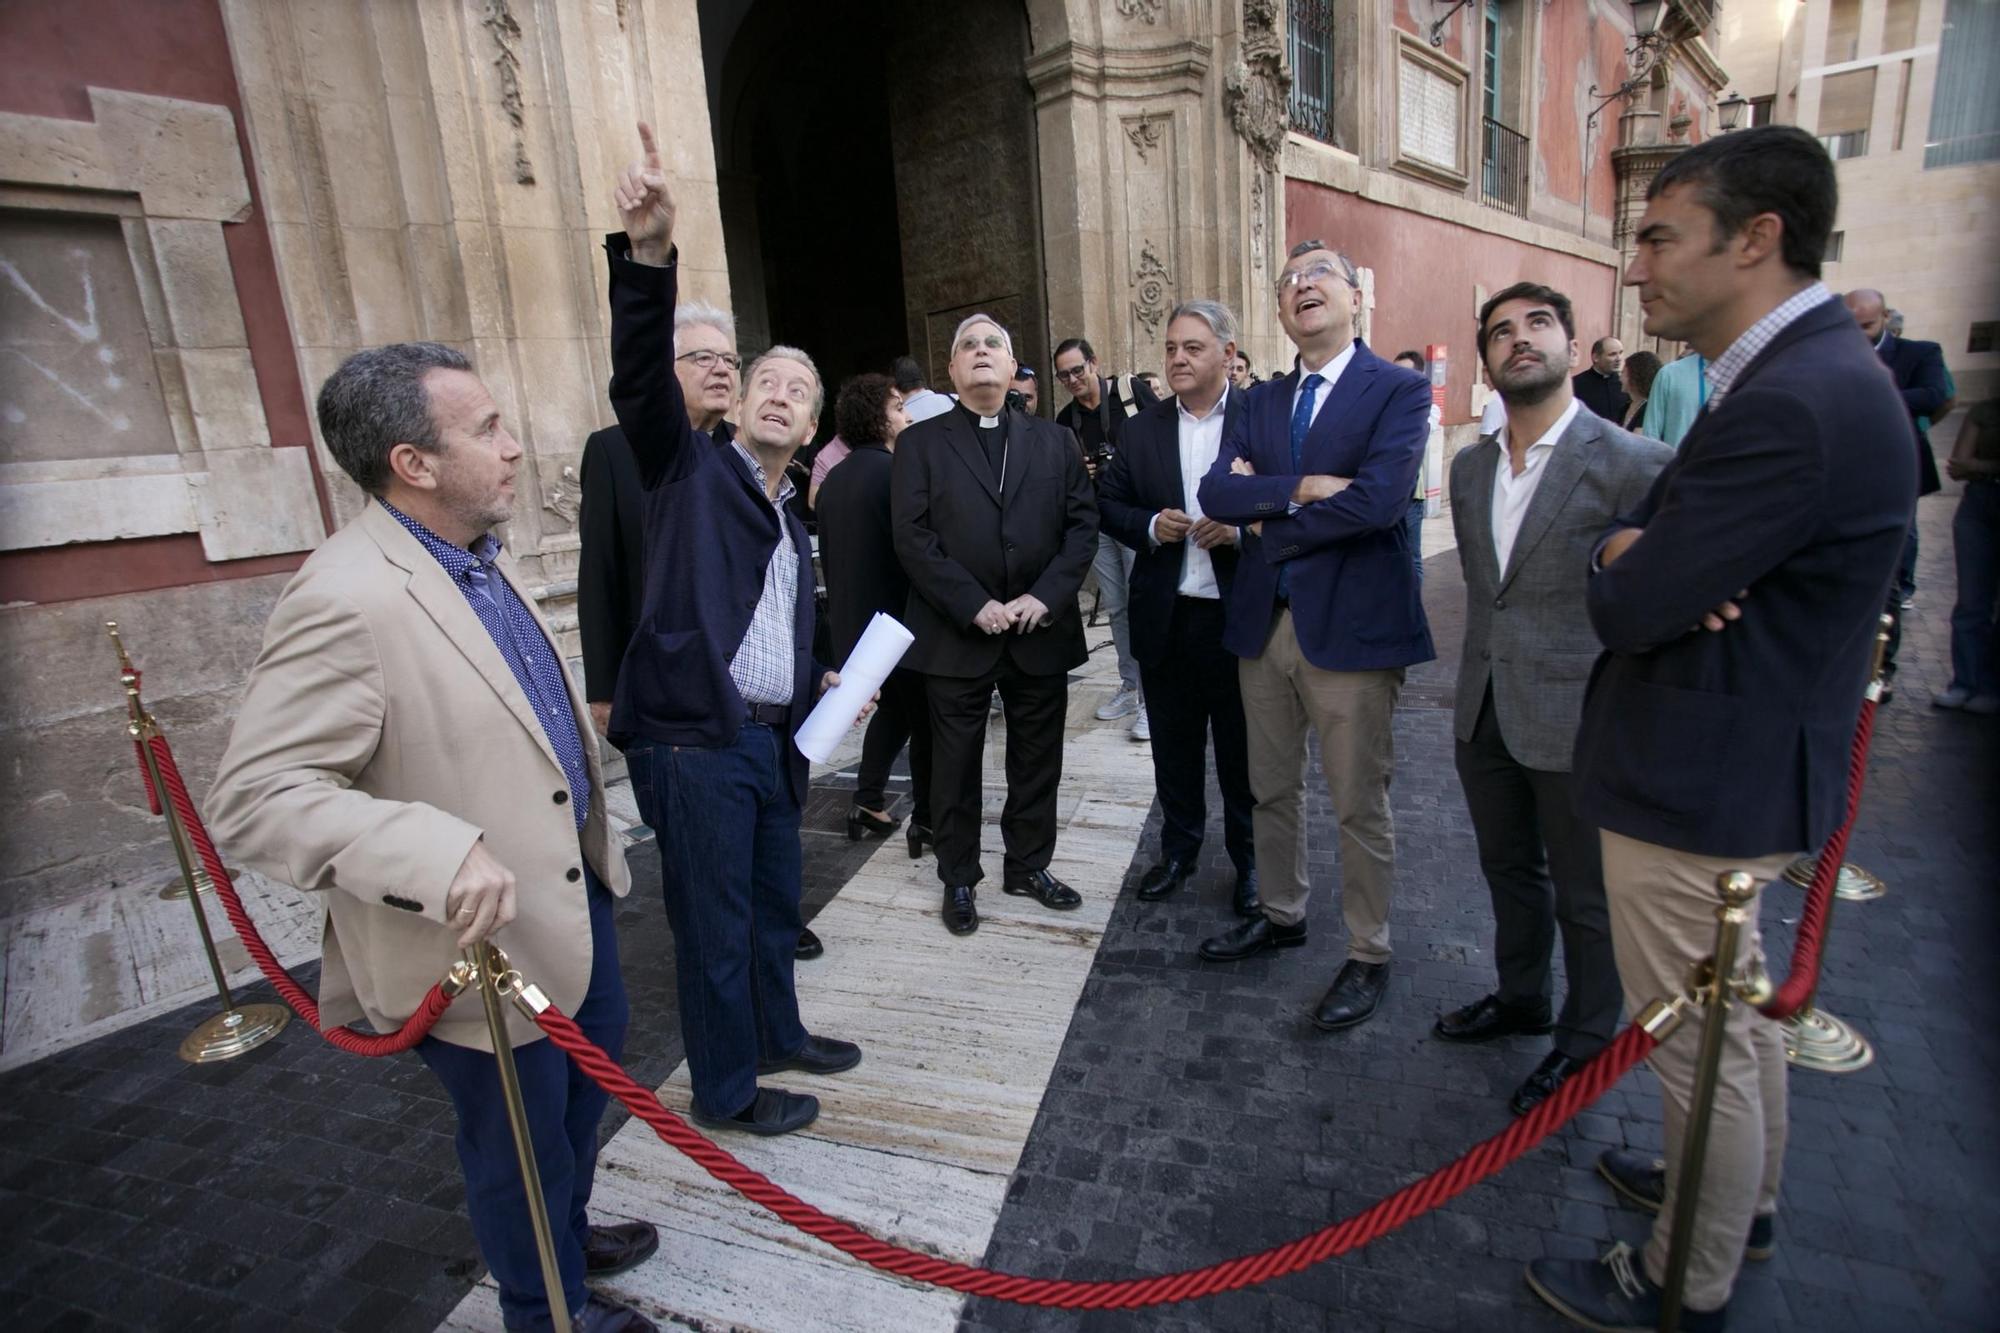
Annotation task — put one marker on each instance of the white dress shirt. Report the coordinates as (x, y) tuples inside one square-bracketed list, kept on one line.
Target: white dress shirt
[(1330, 372), (1200, 442), (1512, 494)]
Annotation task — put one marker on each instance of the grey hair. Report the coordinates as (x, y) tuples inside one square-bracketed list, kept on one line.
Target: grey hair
[(979, 318), (1221, 320), (689, 313), (780, 352), (377, 400), (1347, 269)]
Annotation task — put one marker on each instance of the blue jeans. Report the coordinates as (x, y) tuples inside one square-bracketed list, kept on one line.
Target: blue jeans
[(1113, 565), (1975, 619), (1413, 523), (563, 1107), (728, 831)]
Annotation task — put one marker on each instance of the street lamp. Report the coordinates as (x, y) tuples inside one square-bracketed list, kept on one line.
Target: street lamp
[(1646, 17), (1730, 110)]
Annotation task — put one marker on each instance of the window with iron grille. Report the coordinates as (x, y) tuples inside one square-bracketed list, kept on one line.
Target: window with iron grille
[(1309, 46)]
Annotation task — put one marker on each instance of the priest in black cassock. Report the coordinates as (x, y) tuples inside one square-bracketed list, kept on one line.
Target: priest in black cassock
[(995, 522)]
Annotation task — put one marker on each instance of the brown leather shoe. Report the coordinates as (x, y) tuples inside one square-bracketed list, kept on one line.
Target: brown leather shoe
[(613, 1249)]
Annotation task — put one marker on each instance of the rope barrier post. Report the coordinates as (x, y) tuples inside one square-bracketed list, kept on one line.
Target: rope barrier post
[(238, 1028), (1739, 896), (490, 973), (1815, 1039)]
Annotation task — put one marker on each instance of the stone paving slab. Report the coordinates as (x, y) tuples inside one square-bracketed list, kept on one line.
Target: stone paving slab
[(1196, 1115)]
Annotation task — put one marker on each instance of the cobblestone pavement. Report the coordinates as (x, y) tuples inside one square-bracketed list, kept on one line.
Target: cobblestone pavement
[(294, 1188), (1196, 1115)]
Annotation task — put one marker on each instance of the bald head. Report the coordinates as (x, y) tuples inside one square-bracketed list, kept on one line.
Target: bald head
[(1870, 310)]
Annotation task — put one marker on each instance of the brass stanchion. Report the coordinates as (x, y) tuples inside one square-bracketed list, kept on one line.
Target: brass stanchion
[(1711, 983), (1851, 885), (491, 974), (1815, 1039), (238, 1028)]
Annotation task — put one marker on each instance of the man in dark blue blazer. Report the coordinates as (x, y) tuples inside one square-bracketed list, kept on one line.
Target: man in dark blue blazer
[(1738, 603), (1324, 611), (1181, 568), (1919, 373), (716, 680)]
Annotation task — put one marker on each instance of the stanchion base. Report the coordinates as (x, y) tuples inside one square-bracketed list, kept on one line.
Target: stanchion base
[(178, 889), (1818, 1041), (1851, 885), (233, 1032)]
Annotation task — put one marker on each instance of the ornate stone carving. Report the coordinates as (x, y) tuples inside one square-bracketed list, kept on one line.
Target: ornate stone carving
[(1259, 206), (563, 497), (1257, 87), (1144, 134), (1146, 10), (1151, 282), (499, 23)]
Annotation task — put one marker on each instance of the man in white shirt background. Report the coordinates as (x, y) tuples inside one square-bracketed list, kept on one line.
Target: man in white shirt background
[(1181, 568), (1527, 504)]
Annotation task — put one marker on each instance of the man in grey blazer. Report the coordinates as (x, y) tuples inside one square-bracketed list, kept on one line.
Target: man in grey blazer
[(1528, 503)]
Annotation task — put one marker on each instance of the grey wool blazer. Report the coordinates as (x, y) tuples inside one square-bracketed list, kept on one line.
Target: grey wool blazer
[(1527, 630)]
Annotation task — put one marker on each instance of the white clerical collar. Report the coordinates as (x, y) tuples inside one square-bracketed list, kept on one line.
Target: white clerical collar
[(989, 422)]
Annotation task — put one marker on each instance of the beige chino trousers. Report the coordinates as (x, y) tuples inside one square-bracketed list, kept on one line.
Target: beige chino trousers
[(1354, 714), (1663, 904)]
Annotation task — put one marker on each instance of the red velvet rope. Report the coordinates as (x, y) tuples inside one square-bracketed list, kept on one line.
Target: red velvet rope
[(414, 1029), (1810, 945), (1585, 1086)]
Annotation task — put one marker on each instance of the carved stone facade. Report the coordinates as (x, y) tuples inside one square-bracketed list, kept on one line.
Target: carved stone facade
[(249, 190)]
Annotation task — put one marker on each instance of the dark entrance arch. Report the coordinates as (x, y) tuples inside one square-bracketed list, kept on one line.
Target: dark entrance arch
[(878, 176)]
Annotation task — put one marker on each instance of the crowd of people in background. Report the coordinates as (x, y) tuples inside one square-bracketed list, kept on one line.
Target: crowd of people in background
[(1627, 722)]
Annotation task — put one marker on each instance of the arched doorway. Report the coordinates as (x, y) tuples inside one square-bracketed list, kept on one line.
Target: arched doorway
[(878, 176)]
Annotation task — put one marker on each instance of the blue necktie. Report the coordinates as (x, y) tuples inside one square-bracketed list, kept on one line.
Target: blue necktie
[(1302, 420)]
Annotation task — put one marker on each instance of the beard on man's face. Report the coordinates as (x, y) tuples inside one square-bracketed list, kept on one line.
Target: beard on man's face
[(1529, 380)]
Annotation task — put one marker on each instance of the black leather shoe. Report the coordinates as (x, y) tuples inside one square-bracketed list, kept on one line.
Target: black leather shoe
[(961, 909), (601, 1314), (820, 1055), (1354, 996), (1251, 938), (1164, 878), (808, 946), (1487, 1018), (861, 824), (1248, 904), (1044, 888), (1538, 1086), (919, 836), (772, 1111), (614, 1249)]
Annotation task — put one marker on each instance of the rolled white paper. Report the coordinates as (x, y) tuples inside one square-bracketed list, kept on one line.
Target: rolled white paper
[(882, 645)]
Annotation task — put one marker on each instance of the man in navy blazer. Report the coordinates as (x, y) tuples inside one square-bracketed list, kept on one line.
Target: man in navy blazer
[(1324, 611), (1181, 568), (1919, 373), (1738, 603), (716, 680)]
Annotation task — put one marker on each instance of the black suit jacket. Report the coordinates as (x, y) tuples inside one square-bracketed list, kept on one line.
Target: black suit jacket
[(1918, 369), (857, 547), (611, 567), (1143, 479), (964, 542), (710, 532), (1602, 394), (1736, 743)]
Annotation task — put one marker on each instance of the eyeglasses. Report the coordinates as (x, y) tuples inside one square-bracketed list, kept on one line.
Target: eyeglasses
[(1313, 272), (706, 360), (1073, 373)]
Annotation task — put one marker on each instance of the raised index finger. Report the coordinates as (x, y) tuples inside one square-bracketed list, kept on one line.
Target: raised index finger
[(648, 147)]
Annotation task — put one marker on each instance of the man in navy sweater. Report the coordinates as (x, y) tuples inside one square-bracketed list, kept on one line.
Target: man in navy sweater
[(1738, 603), (716, 680)]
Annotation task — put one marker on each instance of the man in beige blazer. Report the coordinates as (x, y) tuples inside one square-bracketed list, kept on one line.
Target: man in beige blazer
[(411, 747)]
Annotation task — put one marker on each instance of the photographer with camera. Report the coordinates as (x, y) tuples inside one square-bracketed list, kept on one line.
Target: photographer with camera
[(1096, 414)]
